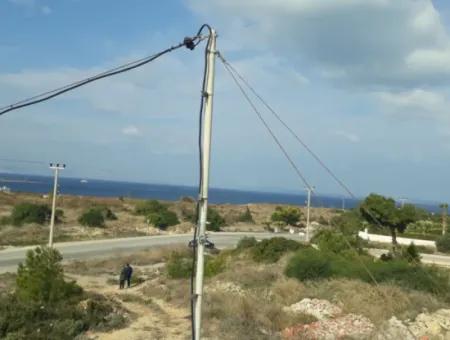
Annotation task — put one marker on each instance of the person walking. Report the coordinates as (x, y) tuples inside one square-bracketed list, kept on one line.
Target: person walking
[(128, 272), (122, 278)]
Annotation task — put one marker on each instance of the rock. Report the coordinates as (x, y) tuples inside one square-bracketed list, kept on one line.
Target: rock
[(434, 325), (350, 325), (394, 329), (321, 309)]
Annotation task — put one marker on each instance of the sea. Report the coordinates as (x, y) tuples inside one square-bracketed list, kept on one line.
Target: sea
[(107, 188)]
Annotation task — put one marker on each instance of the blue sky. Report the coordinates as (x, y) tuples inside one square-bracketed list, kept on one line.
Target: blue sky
[(364, 82)]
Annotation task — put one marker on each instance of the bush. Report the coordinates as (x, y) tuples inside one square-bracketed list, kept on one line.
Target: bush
[(246, 242), (163, 219), (92, 218), (308, 264), (443, 243), (45, 307), (410, 253), (271, 250), (41, 278), (246, 217), (338, 243), (179, 266), (215, 220), (30, 213), (149, 207), (286, 215)]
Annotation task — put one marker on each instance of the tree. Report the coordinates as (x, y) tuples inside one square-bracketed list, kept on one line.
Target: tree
[(246, 216), (41, 278), (287, 215), (382, 212), (349, 222)]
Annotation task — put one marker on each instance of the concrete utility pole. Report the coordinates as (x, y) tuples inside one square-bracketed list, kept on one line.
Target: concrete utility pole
[(203, 199), (56, 168), (444, 207), (402, 201), (308, 206)]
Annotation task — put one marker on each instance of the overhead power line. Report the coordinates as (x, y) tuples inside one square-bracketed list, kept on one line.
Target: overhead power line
[(266, 125), (188, 42), (292, 132)]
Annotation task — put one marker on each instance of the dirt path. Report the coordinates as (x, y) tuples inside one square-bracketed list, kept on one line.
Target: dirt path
[(155, 318)]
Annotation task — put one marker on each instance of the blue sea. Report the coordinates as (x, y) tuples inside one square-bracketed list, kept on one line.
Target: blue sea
[(104, 188)]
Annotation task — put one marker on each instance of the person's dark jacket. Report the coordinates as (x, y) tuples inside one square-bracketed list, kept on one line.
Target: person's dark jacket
[(128, 271)]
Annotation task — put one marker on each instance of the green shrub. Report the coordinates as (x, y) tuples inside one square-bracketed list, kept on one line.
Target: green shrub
[(246, 242), (30, 213), (214, 265), (163, 219), (309, 264), (286, 215), (41, 278), (246, 217), (107, 213), (179, 266), (46, 307), (149, 207), (215, 220), (443, 243), (410, 253), (338, 243), (271, 250), (92, 218)]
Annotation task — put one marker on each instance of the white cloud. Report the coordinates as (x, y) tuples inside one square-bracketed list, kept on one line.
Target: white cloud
[(131, 130), (349, 136), (416, 102), (367, 42)]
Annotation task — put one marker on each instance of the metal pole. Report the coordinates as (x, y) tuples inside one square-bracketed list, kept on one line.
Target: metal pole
[(56, 168), (203, 207), (307, 213)]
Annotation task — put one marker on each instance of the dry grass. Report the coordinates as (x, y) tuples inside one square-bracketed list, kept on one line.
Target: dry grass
[(112, 265)]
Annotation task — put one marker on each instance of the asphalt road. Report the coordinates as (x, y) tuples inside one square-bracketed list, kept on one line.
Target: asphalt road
[(10, 257)]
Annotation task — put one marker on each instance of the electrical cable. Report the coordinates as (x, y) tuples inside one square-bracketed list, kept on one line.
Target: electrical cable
[(246, 96), (266, 125), (188, 42), (295, 135)]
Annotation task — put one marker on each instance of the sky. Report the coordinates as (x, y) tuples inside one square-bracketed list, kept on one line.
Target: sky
[(365, 83)]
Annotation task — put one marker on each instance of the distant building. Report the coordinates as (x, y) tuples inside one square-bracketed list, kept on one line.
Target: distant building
[(5, 189)]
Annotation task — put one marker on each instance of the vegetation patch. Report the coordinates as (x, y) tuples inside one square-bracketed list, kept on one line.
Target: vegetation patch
[(271, 250), (45, 306), (30, 213), (179, 265), (312, 264), (443, 243)]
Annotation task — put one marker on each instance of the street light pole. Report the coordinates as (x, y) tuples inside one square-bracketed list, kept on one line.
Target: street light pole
[(203, 199), (56, 168)]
